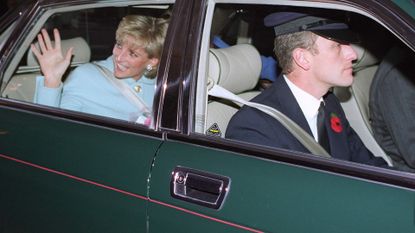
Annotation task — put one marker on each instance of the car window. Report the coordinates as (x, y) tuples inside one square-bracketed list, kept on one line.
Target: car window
[(6, 33), (91, 33), (241, 59)]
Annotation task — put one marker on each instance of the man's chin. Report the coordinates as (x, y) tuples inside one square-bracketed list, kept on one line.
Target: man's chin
[(344, 84), (348, 81)]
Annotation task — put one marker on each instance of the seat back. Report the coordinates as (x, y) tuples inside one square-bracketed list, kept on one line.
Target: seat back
[(23, 84), (237, 69), (355, 99)]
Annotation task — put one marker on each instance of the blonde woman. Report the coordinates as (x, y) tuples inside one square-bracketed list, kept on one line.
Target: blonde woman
[(133, 64)]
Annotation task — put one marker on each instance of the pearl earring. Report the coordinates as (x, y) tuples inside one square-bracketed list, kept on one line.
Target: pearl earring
[(149, 68)]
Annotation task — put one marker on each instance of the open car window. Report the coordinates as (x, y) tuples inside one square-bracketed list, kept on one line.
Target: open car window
[(91, 31), (240, 58)]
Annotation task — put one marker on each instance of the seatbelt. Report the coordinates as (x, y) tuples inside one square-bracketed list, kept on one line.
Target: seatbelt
[(145, 118), (305, 139)]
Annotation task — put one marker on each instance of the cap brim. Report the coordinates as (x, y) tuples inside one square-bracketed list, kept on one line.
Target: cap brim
[(344, 36)]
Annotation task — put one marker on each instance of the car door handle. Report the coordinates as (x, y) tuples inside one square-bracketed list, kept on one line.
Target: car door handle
[(199, 187)]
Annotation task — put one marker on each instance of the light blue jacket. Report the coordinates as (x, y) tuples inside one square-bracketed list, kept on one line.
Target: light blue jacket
[(87, 90)]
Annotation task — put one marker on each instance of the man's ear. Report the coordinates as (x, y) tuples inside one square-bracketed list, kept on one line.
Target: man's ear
[(301, 58)]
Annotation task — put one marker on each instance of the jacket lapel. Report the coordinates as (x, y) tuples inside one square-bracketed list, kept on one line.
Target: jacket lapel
[(336, 127), (284, 100)]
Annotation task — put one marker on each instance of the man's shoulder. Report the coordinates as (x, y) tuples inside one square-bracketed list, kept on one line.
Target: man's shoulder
[(250, 115), (269, 96), (248, 122)]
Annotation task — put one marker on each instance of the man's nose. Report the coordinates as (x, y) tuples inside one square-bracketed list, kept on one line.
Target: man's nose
[(350, 53)]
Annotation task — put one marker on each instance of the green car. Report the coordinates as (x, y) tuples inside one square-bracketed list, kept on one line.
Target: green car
[(64, 170)]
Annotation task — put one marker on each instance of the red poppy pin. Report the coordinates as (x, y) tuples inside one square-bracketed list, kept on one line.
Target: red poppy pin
[(335, 123)]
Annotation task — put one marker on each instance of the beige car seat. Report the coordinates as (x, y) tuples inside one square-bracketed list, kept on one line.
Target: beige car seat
[(355, 99), (237, 69), (22, 85)]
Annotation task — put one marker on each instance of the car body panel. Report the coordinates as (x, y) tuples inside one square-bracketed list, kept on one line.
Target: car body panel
[(286, 193), (407, 6), (73, 180), (63, 171)]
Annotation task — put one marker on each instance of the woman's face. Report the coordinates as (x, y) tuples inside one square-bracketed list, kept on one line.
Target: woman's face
[(130, 60)]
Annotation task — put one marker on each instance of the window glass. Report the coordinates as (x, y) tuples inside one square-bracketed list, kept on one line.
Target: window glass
[(6, 33), (250, 71), (105, 62)]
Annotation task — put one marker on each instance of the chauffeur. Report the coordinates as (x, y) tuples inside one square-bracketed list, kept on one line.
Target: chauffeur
[(315, 54)]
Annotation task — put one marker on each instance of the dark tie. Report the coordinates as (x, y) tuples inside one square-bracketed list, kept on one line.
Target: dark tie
[(323, 138)]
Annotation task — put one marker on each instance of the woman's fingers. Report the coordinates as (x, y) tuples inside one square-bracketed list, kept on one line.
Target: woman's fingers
[(46, 38), (35, 51), (69, 55), (45, 43), (41, 43), (57, 37)]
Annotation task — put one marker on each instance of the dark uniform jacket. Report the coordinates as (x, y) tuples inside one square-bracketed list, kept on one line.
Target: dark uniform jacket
[(392, 107), (252, 125)]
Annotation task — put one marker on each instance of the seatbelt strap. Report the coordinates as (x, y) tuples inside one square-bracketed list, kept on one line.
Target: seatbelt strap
[(127, 92), (305, 139)]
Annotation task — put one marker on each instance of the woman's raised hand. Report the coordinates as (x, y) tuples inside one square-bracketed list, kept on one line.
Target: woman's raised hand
[(52, 62)]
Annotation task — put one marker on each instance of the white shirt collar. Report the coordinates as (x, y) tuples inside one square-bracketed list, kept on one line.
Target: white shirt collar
[(309, 105)]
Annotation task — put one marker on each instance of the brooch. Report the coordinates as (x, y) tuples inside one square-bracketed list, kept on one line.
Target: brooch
[(335, 123)]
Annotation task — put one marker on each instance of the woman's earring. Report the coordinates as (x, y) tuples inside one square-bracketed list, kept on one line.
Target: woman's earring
[(148, 69)]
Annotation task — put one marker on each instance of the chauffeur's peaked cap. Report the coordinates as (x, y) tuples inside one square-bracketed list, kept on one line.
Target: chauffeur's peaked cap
[(291, 22)]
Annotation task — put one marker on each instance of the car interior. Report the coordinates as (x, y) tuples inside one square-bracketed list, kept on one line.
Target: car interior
[(89, 31), (22, 85), (235, 65), (227, 67)]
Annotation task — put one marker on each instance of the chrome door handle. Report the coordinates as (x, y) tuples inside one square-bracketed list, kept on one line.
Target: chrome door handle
[(199, 187)]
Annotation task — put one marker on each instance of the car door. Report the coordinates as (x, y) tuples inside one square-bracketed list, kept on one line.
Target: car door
[(204, 183), (66, 175), (61, 170), (265, 195)]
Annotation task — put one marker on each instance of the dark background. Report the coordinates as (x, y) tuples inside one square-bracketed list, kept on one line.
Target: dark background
[(6, 5)]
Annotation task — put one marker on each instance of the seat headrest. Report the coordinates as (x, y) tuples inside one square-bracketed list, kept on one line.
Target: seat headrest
[(236, 68), (81, 51), (364, 58)]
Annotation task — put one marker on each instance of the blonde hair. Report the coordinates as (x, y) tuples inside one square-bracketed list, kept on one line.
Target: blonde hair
[(148, 33)]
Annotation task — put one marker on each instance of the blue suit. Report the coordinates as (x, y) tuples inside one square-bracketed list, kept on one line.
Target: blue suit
[(252, 125), (87, 90)]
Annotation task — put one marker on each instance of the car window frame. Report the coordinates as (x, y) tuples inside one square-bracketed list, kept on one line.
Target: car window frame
[(341, 167), (201, 106), (28, 34)]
